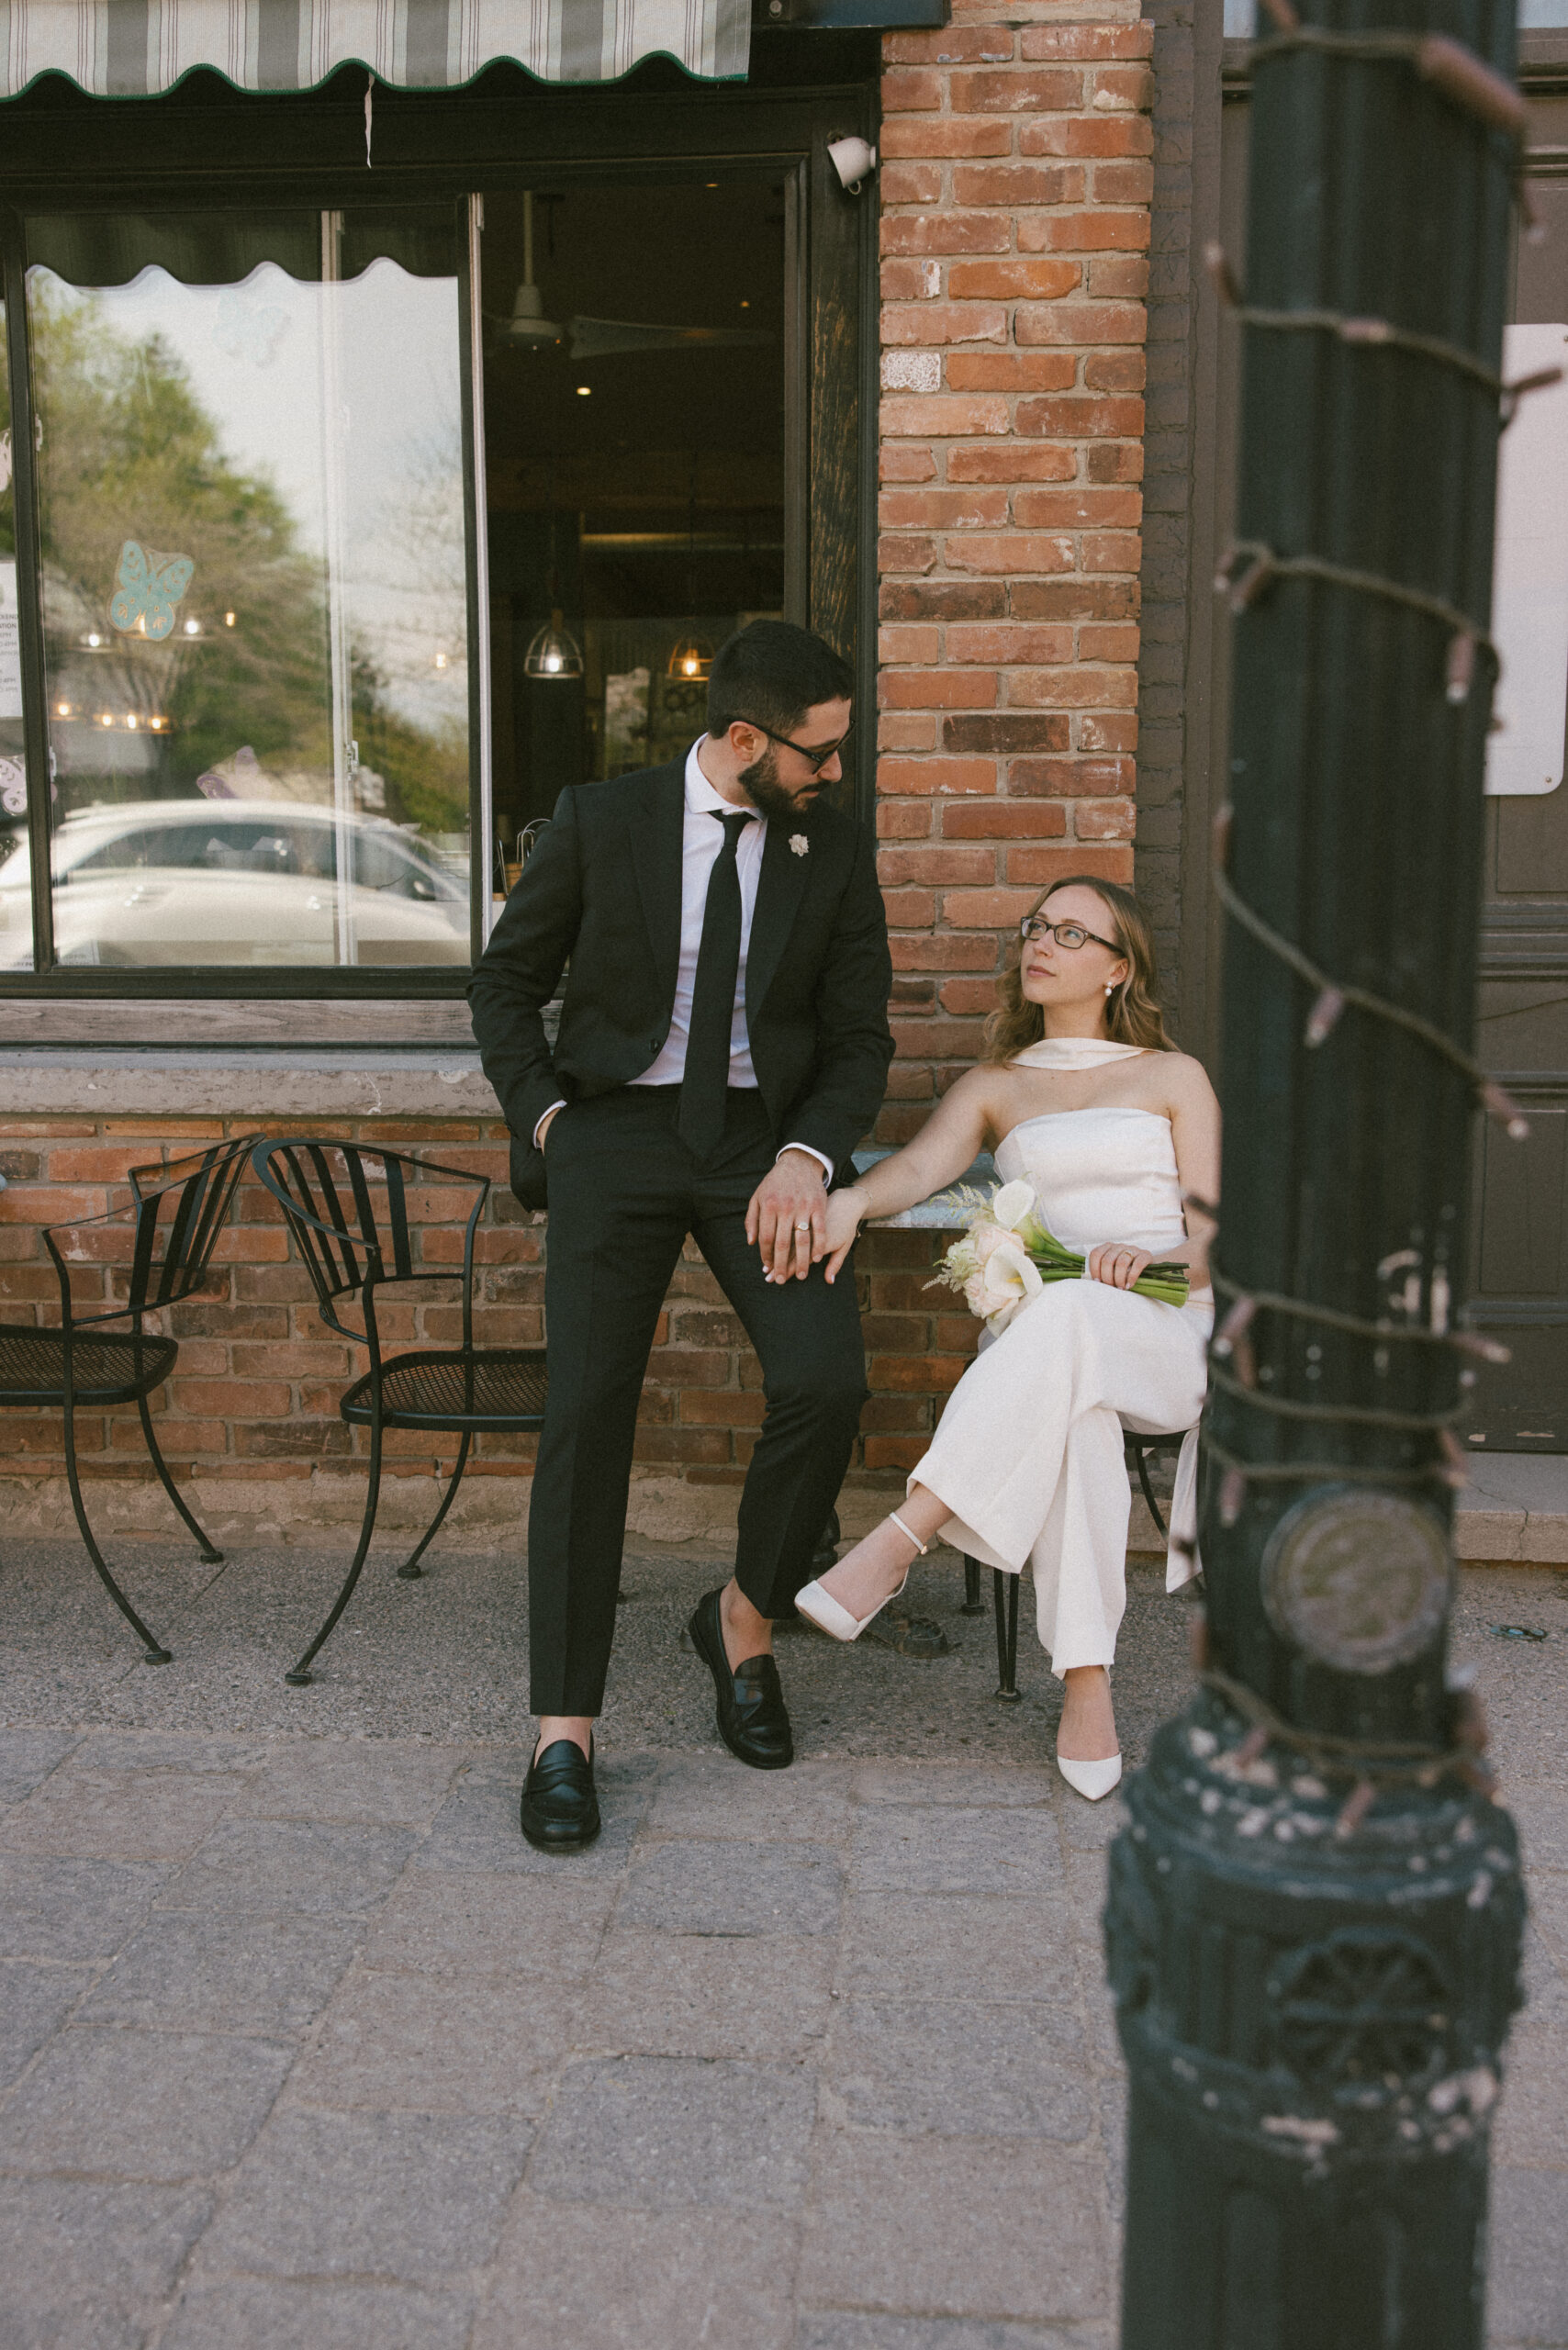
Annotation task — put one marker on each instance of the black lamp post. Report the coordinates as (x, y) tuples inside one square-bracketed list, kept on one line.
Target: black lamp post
[(1315, 1907)]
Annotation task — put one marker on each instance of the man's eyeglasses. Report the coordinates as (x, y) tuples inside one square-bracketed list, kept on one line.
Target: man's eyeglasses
[(815, 760), (1070, 935)]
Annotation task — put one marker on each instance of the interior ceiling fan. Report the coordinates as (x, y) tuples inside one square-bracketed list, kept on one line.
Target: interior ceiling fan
[(529, 329)]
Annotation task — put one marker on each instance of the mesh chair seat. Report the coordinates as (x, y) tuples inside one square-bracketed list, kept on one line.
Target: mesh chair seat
[(500, 1388), (103, 1369)]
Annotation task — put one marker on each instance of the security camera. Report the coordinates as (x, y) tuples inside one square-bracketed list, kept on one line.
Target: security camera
[(852, 160)]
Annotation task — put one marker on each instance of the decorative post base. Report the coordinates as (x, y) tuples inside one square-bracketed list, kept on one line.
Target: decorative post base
[(1314, 1974)]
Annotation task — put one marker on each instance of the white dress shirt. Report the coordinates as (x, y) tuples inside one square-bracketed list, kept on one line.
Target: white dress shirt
[(701, 839)]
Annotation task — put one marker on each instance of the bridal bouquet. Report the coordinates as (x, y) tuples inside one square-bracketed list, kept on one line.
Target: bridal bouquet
[(1007, 1256)]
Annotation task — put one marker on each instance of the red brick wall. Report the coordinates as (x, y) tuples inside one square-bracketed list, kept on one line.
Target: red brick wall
[(1016, 184)]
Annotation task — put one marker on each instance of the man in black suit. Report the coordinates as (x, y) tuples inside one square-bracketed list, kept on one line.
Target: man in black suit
[(723, 1044)]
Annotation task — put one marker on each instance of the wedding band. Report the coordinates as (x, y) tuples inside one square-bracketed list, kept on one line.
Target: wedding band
[(805, 1227)]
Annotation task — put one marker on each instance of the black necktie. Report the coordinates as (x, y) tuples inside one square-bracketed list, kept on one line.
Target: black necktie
[(702, 1116)]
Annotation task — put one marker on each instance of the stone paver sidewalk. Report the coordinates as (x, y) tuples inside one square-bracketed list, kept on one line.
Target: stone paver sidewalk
[(300, 2045)]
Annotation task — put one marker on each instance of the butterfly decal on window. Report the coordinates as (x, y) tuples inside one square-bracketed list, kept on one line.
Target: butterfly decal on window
[(150, 584), (248, 329)]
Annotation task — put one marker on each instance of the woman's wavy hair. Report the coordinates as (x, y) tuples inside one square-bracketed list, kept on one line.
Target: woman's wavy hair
[(1132, 1015)]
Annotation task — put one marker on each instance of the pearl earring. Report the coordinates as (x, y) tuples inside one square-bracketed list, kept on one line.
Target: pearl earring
[(1110, 987)]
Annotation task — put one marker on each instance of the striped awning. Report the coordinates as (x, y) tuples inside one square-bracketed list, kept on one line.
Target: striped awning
[(134, 49)]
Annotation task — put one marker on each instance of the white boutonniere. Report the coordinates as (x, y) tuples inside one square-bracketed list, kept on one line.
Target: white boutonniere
[(799, 844)]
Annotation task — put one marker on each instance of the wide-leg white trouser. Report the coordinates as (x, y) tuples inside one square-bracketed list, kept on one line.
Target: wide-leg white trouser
[(1028, 1456)]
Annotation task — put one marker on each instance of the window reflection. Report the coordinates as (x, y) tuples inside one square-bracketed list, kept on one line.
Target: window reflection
[(251, 522)]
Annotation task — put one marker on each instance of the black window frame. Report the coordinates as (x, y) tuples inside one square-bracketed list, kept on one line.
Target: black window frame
[(222, 149)]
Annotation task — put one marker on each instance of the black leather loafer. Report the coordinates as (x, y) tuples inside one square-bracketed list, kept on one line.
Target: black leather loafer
[(560, 1805), (753, 1720)]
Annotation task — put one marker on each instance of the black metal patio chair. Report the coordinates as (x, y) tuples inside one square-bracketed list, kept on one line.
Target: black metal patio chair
[(1004, 1587), (163, 1244), (347, 1208)]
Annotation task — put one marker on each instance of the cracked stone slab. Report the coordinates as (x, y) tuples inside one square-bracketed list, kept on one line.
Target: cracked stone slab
[(275, 1867), (161, 2106), (954, 1849), (82, 2260), (401, 2196), (955, 2227), (201, 1973), (715, 1796), (34, 2003), (961, 2071), (71, 1909), (79, 1812), (243, 2312), (459, 1922), (439, 2044), (957, 1946), (765, 1996), (28, 1756), (571, 2279), (358, 1782), (662, 2132), (966, 1784), (733, 1888)]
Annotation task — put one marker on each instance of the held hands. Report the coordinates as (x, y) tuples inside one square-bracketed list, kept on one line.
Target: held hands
[(846, 1210), (1118, 1266), (788, 1215)]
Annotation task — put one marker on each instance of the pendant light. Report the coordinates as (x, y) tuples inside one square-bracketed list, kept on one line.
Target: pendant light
[(692, 660), (553, 654)]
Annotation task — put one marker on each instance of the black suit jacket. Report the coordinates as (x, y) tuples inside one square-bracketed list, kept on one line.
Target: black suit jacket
[(602, 893)]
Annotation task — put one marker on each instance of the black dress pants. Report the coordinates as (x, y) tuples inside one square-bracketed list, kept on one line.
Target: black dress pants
[(624, 1193)]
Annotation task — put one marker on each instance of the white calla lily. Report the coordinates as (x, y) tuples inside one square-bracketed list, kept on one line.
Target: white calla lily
[(1012, 1204), (1007, 1281)]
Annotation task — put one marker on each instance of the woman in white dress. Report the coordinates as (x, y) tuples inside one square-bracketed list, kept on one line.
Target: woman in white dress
[(1085, 1099)]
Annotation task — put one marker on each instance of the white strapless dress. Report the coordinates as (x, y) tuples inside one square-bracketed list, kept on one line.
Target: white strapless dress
[(1028, 1455)]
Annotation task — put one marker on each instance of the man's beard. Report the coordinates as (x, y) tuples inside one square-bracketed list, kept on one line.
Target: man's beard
[(760, 782)]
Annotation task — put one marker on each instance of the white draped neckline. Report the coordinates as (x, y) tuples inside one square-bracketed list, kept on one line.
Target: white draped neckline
[(1074, 1052)]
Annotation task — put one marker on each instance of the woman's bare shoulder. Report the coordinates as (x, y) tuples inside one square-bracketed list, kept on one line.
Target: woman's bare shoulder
[(1184, 1079), (981, 1091)]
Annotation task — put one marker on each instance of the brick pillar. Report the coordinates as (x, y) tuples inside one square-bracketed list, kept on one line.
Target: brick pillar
[(1015, 186)]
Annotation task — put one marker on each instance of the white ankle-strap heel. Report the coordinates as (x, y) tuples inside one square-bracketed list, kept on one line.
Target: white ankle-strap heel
[(820, 1608)]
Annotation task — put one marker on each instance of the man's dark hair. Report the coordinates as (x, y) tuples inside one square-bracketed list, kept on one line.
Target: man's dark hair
[(772, 673)]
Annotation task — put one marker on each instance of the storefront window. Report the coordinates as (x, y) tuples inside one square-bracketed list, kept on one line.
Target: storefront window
[(254, 574), (635, 389)]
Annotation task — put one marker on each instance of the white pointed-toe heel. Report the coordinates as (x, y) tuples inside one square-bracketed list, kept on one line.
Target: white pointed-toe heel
[(1090, 1780), (820, 1608)]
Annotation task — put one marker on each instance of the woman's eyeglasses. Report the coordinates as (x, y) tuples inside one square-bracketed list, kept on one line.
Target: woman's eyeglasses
[(815, 760), (1034, 928)]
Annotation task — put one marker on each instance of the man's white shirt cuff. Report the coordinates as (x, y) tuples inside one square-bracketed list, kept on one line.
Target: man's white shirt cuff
[(548, 1113), (825, 1164)]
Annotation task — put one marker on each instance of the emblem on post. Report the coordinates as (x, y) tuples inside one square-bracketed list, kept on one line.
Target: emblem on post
[(1358, 1580)]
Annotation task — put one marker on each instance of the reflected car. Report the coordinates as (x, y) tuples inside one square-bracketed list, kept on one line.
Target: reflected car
[(162, 882)]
